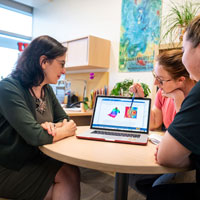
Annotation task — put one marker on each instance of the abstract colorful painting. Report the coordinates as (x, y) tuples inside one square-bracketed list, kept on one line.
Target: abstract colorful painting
[(140, 34), (114, 112), (131, 112)]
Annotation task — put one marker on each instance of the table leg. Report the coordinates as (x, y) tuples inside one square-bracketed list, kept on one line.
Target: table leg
[(121, 186)]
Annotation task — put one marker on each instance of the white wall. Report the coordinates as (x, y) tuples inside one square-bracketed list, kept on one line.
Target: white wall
[(70, 19)]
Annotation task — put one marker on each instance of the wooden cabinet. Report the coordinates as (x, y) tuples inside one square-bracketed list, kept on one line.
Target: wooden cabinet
[(87, 53), (81, 118)]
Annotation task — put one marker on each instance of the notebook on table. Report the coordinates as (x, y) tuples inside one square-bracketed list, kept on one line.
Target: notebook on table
[(115, 120)]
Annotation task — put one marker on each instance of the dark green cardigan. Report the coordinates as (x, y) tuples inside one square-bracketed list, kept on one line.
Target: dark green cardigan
[(20, 134)]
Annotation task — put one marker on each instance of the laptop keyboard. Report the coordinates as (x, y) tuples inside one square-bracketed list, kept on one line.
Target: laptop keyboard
[(116, 134)]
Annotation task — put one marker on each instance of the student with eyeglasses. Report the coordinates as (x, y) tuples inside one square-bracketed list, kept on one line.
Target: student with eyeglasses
[(174, 83), (31, 116)]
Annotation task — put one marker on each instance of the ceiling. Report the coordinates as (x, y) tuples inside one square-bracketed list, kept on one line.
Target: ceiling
[(33, 3)]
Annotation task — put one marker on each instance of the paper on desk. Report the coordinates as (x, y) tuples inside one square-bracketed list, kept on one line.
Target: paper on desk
[(155, 138)]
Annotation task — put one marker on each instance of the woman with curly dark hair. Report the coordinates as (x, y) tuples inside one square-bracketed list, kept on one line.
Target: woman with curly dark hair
[(31, 116)]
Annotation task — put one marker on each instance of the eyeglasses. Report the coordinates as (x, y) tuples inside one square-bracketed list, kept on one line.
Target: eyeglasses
[(61, 62), (160, 80)]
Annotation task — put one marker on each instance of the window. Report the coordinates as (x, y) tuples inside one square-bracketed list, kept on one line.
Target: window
[(16, 22), (15, 26), (8, 60)]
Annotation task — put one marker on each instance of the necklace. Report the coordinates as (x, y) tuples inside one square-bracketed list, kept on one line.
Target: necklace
[(39, 102)]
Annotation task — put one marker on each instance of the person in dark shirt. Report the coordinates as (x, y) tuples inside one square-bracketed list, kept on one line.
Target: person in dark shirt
[(174, 84), (180, 146), (31, 116)]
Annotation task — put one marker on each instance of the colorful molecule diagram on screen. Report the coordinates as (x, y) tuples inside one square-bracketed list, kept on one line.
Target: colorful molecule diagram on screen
[(131, 112), (114, 112)]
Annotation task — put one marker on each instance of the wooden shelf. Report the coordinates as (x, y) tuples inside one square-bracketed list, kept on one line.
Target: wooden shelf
[(81, 118), (100, 80), (87, 113), (83, 67)]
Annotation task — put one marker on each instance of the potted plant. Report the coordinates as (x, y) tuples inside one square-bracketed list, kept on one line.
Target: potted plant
[(122, 88), (177, 19)]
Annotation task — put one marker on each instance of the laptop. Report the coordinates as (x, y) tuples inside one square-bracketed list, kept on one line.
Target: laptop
[(115, 120)]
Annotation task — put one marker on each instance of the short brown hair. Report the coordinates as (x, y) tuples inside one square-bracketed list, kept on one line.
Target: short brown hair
[(171, 61), (193, 31)]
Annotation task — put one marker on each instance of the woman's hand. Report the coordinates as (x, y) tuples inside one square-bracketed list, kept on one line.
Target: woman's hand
[(137, 89), (58, 124), (69, 127), (49, 127), (60, 130)]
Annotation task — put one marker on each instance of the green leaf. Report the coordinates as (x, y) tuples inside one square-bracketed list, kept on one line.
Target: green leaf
[(125, 85), (179, 15)]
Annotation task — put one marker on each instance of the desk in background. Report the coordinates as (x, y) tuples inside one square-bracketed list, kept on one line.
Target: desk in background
[(81, 118), (108, 156)]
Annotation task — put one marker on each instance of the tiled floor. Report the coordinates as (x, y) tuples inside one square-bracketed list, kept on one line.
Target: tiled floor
[(97, 185)]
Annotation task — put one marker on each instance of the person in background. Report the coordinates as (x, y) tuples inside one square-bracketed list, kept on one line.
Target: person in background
[(180, 146), (31, 116), (173, 81), (174, 84)]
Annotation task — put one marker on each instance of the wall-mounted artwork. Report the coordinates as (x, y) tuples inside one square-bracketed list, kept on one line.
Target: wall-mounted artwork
[(140, 34)]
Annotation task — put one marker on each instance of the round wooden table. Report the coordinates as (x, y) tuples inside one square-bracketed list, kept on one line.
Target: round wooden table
[(108, 156)]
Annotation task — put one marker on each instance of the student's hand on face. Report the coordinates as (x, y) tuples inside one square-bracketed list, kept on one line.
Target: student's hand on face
[(49, 127), (70, 127), (137, 89), (177, 93)]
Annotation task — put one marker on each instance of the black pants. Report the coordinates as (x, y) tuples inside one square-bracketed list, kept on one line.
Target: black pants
[(182, 191)]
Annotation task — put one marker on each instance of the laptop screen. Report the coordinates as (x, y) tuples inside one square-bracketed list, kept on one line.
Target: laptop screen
[(114, 113)]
